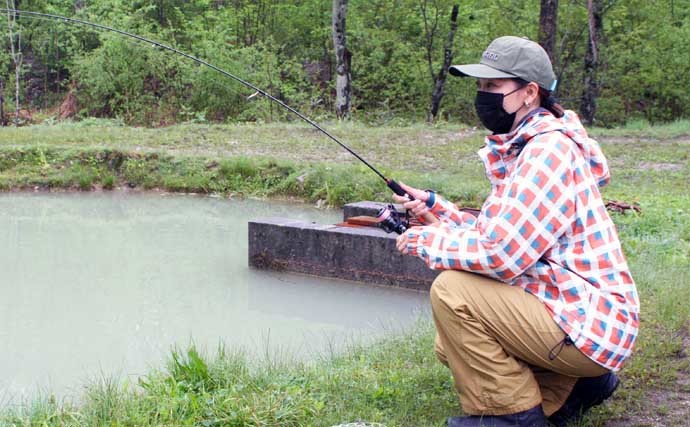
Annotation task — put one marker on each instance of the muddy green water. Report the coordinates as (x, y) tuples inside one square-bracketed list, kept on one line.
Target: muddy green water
[(104, 285)]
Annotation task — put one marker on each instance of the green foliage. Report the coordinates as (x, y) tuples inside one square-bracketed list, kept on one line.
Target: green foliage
[(239, 167), (648, 47), (285, 48), (191, 373), (332, 184), (220, 97), (135, 87), (108, 181), (85, 168)]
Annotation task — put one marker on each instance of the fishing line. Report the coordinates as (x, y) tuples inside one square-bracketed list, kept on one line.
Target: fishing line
[(393, 185)]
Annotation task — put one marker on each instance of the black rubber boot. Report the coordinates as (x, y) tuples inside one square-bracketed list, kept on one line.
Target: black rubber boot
[(587, 393), (530, 418)]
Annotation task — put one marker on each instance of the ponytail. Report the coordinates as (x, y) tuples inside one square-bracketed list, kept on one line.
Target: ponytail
[(550, 103), (546, 99)]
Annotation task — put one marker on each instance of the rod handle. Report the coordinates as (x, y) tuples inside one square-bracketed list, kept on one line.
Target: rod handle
[(397, 189)]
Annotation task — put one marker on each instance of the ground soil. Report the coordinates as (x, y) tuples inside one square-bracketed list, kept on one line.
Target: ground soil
[(659, 166), (68, 108), (668, 406), (682, 140)]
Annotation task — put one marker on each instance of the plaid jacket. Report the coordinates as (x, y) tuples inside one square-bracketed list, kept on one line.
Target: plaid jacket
[(545, 228)]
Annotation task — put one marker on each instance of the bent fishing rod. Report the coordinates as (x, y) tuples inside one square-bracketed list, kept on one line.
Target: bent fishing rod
[(393, 185)]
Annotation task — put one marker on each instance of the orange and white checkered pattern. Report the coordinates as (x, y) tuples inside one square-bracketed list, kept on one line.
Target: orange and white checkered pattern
[(544, 228)]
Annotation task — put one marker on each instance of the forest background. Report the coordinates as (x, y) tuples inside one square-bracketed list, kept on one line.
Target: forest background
[(286, 48)]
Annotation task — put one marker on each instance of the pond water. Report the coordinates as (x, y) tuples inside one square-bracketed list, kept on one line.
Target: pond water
[(102, 285)]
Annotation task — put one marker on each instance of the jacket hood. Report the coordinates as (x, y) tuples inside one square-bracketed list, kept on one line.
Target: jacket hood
[(500, 150)]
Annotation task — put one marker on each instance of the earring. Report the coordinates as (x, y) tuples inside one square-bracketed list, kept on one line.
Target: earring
[(526, 104)]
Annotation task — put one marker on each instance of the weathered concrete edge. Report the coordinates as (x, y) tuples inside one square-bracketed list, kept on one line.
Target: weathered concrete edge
[(366, 208), (363, 254)]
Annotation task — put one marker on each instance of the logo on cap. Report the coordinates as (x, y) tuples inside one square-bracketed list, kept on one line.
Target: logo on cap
[(490, 55)]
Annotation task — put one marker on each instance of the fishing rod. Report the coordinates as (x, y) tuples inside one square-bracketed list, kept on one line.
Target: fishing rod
[(393, 185)]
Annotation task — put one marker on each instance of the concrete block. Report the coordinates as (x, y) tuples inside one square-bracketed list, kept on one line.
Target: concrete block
[(365, 208), (364, 254)]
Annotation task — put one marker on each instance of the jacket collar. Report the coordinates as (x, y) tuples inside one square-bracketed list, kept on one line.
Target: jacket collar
[(501, 150)]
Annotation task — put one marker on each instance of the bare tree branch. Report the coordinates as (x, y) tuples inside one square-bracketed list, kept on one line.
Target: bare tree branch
[(429, 34)]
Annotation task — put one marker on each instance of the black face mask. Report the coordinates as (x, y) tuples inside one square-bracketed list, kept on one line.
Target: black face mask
[(490, 110)]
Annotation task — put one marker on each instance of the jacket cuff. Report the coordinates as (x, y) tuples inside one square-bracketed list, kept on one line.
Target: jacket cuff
[(414, 242), (431, 199)]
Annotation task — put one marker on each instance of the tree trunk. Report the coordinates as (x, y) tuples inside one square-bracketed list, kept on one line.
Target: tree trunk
[(57, 66), (161, 13), (343, 59), (590, 86), (16, 56), (438, 93), (548, 24), (2, 104)]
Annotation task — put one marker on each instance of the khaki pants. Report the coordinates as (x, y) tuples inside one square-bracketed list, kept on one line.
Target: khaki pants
[(496, 340)]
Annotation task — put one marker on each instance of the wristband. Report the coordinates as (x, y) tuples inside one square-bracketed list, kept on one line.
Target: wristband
[(431, 199)]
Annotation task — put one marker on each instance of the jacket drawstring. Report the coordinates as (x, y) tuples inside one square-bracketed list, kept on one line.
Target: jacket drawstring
[(554, 354)]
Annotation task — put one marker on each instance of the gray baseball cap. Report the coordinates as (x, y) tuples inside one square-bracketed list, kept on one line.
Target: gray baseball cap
[(509, 57)]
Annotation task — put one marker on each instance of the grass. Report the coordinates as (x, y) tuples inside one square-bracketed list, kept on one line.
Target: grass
[(642, 128), (396, 382)]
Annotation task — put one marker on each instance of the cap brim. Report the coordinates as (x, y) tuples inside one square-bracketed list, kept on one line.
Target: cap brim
[(478, 70)]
